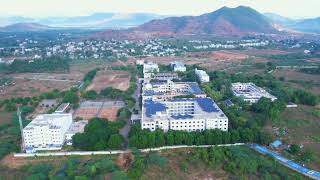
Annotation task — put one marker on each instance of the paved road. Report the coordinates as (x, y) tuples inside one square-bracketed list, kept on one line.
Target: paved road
[(126, 129), (290, 164)]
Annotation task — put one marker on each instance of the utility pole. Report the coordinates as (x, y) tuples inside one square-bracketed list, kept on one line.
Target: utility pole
[(21, 128)]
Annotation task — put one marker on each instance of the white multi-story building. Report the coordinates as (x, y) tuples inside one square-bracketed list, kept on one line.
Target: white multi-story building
[(178, 66), (250, 92), (170, 89), (202, 75), (46, 132), (150, 69), (165, 76), (188, 114), (76, 127)]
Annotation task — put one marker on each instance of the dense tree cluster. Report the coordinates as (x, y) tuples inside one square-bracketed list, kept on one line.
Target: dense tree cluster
[(90, 75), (99, 134), (147, 139), (269, 109), (10, 135)]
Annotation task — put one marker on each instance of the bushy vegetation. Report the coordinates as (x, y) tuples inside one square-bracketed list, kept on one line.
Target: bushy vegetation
[(141, 163), (87, 79), (311, 70), (99, 134), (241, 162), (76, 169), (53, 64), (10, 135)]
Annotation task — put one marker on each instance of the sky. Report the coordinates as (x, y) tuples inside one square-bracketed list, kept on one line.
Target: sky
[(47, 8)]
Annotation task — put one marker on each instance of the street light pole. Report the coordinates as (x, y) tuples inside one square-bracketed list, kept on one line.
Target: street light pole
[(21, 129)]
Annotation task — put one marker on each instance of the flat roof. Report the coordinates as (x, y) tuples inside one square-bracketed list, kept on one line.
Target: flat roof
[(202, 108)]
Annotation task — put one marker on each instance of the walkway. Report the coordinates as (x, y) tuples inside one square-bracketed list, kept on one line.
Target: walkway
[(126, 129), (290, 164), (85, 153)]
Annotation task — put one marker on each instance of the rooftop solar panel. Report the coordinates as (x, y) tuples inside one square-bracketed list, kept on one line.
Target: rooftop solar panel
[(153, 107)]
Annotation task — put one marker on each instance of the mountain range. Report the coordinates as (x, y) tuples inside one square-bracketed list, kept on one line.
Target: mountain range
[(310, 25), (94, 21), (237, 21)]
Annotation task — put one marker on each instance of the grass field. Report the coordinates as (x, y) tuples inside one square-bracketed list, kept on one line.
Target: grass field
[(300, 80), (303, 124)]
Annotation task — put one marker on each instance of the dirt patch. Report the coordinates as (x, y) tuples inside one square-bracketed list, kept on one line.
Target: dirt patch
[(116, 79), (5, 117), (124, 160), (15, 163), (29, 88), (227, 55)]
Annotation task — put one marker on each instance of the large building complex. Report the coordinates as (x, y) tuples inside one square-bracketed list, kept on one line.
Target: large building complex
[(165, 76), (46, 132), (202, 75), (170, 105), (170, 89), (250, 92), (188, 114)]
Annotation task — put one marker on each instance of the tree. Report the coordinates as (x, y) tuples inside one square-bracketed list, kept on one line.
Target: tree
[(115, 141), (39, 171), (90, 94), (96, 136), (71, 97), (294, 149)]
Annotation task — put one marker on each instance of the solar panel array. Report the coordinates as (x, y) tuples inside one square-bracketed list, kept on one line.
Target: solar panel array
[(207, 104), (153, 107)]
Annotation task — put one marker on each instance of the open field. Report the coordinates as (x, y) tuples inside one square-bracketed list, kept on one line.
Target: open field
[(300, 80), (220, 55), (303, 126), (33, 84), (116, 79), (28, 88)]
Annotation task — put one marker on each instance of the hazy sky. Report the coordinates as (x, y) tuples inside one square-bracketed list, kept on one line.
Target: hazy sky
[(290, 8)]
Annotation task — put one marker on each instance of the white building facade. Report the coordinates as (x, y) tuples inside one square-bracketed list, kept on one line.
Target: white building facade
[(149, 69), (187, 114), (250, 92), (46, 132), (202, 75), (178, 66)]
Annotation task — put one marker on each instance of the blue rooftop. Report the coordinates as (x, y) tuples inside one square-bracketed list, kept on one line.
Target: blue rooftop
[(153, 107), (194, 89), (276, 143), (207, 104)]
